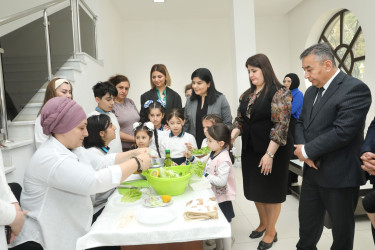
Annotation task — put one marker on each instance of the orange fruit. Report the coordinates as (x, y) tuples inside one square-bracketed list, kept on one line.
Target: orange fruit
[(155, 172), (166, 198)]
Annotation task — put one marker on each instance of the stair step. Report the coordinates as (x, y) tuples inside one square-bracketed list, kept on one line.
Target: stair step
[(9, 169), (21, 130), (29, 111), (32, 59), (69, 69), (28, 117), (20, 123), (16, 144)]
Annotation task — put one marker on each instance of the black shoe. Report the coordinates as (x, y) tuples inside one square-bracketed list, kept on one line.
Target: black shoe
[(255, 234), (263, 245)]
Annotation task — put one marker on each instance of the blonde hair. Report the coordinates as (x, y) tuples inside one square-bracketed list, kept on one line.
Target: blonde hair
[(162, 69)]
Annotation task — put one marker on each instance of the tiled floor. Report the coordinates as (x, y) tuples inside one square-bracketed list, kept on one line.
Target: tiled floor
[(247, 220)]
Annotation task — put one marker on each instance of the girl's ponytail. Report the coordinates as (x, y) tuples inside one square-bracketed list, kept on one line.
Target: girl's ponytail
[(157, 141)]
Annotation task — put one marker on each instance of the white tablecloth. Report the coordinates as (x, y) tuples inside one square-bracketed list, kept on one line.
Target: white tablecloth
[(118, 225)]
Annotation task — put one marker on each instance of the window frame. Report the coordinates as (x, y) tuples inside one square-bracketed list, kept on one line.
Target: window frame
[(349, 48)]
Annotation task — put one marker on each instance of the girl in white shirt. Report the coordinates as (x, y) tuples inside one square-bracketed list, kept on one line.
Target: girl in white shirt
[(155, 114), (101, 132), (60, 178), (143, 133), (207, 122), (219, 172), (178, 139), (56, 87)]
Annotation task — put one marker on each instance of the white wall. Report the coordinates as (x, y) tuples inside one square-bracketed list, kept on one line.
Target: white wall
[(308, 19), (244, 42), (110, 53), (183, 46), (272, 39)]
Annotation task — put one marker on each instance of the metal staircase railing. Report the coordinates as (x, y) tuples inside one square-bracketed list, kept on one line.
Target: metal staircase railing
[(77, 8)]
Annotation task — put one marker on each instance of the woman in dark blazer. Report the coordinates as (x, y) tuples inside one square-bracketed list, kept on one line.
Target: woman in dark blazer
[(263, 121), (160, 80), (204, 100)]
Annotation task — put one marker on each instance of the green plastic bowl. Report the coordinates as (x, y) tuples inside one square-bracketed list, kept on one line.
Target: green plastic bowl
[(170, 186)]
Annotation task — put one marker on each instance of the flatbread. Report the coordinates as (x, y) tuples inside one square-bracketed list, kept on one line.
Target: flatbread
[(201, 209)]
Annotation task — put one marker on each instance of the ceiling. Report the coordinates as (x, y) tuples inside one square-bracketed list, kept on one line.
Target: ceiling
[(274, 7), (172, 9), (187, 9)]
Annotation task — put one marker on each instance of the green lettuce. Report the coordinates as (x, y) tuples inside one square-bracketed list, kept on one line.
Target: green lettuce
[(197, 168), (202, 151), (130, 195), (168, 173)]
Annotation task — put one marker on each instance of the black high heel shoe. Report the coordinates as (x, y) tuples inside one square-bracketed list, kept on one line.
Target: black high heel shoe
[(263, 245), (255, 234)]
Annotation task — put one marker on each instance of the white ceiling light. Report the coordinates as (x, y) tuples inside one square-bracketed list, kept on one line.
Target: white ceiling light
[(158, 1)]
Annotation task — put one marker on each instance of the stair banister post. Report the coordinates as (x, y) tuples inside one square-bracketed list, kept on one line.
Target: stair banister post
[(96, 36), (48, 46), (78, 24), (4, 118), (74, 6)]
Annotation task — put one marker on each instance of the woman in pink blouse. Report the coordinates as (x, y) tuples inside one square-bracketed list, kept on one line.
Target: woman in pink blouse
[(125, 111), (263, 121)]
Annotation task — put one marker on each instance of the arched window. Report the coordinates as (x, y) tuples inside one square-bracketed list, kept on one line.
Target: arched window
[(344, 34)]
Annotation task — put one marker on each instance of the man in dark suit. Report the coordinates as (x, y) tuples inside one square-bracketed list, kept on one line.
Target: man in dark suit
[(329, 135), (368, 159)]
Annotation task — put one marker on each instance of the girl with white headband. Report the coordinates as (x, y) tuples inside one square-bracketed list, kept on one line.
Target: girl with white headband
[(57, 87)]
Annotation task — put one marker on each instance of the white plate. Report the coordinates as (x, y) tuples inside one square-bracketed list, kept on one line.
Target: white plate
[(147, 200), (157, 216)]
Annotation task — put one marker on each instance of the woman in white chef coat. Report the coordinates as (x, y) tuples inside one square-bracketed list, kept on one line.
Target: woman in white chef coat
[(57, 186), (10, 212)]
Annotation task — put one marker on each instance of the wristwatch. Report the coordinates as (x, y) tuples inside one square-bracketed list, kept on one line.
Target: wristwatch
[(270, 154)]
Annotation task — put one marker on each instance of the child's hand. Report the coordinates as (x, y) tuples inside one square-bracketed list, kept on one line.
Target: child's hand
[(187, 154), (189, 146), (166, 127), (140, 151), (145, 161)]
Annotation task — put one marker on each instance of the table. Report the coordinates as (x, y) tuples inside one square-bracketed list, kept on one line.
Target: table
[(296, 166), (114, 228)]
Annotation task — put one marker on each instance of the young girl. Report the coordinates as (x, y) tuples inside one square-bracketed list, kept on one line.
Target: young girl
[(219, 172), (177, 139), (143, 136), (101, 133), (207, 121), (155, 113)]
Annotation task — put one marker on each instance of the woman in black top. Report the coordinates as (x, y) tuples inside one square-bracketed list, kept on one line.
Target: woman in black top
[(160, 80), (205, 99), (263, 121)]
